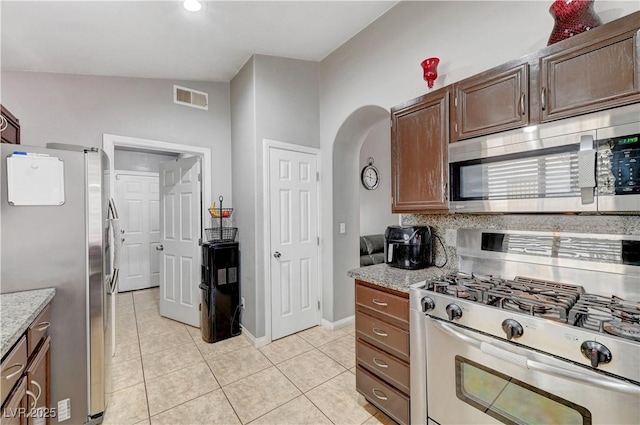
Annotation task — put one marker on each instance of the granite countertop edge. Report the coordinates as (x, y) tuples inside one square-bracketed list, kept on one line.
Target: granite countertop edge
[(17, 311), (394, 278)]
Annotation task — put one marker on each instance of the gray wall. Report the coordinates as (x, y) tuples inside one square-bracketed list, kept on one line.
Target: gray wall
[(337, 293), (79, 109), (243, 157), (375, 205), (275, 99), (380, 68)]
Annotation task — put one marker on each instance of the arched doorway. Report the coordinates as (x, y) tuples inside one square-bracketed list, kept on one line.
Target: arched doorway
[(346, 204)]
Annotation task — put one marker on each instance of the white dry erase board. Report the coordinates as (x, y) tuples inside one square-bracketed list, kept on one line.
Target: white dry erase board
[(35, 180)]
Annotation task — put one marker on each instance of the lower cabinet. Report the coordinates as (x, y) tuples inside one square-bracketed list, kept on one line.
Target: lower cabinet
[(382, 349), (25, 374), (38, 384), (15, 404), (391, 401)]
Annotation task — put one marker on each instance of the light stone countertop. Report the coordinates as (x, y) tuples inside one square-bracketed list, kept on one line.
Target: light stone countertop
[(17, 311), (393, 278)]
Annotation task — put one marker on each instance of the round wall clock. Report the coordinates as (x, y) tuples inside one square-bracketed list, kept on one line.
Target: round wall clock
[(370, 176)]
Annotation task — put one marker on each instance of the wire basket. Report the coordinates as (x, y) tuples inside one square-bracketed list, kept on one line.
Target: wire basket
[(221, 234), (220, 212)]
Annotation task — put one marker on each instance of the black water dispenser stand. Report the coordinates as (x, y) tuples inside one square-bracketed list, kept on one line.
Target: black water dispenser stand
[(220, 308)]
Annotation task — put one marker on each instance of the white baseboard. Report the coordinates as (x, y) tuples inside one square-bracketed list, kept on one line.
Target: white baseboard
[(342, 323), (256, 342)]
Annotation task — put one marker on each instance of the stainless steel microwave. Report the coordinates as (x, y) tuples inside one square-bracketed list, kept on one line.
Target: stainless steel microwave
[(589, 163)]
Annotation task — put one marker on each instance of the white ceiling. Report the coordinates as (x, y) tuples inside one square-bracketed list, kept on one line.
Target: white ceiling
[(160, 39)]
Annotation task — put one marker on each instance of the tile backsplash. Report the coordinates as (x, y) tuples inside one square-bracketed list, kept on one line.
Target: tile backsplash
[(614, 224)]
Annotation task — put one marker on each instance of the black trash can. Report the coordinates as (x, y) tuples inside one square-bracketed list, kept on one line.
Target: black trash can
[(220, 285)]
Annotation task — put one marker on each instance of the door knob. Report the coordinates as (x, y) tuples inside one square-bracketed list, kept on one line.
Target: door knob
[(160, 248), (122, 239), (277, 254)]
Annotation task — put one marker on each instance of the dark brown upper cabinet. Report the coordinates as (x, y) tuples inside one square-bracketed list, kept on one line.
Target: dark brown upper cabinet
[(495, 100), (9, 127), (593, 71), (419, 146), (601, 74)]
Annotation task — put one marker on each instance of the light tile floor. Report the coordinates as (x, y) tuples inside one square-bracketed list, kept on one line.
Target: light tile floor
[(164, 373)]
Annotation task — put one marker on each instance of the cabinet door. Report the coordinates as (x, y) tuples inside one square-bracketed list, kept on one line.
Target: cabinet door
[(9, 126), (38, 383), (493, 101), (13, 411), (419, 140), (589, 78)]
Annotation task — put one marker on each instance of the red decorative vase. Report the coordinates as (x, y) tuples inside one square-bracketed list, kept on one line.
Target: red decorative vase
[(430, 70), (572, 17)]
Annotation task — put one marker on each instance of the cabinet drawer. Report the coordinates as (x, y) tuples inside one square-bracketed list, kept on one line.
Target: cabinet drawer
[(38, 329), (383, 302), (389, 400), (389, 368), (38, 377), (381, 334), (11, 414), (13, 366)]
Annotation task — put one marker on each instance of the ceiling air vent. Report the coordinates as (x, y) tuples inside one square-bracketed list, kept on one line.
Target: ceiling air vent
[(190, 97)]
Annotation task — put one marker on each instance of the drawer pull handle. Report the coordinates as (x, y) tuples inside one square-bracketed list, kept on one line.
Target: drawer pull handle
[(16, 373), (379, 332), (43, 326), (375, 392), (35, 400), (35, 397), (380, 363), (380, 303), (39, 389)]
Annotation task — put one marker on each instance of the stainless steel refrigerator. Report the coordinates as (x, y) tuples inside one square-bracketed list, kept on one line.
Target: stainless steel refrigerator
[(66, 246)]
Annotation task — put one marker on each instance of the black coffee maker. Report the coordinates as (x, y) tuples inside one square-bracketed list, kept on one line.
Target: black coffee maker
[(409, 247)]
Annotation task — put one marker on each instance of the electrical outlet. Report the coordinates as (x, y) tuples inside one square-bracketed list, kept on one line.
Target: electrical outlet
[(242, 302), (343, 227), (451, 237)]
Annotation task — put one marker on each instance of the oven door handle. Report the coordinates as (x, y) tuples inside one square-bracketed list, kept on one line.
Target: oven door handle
[(526, 363)]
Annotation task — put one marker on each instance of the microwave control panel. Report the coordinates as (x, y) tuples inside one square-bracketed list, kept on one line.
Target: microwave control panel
[(619, 165)]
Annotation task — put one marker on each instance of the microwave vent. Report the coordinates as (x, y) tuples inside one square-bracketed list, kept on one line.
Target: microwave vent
[(190, 97)]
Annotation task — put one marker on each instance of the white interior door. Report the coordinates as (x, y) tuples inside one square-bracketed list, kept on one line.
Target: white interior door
[(179, 240), (137, 198), (293, 191)]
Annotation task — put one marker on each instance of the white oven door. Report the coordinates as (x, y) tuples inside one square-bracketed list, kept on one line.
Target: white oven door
[(476, 379)]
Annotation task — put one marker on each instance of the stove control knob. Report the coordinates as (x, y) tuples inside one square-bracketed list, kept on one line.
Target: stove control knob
[(512, 328), (454, 311), (427, 304), (595, 352)]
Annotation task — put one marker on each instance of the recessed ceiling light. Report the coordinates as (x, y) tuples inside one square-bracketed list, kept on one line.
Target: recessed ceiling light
[(192, 5)]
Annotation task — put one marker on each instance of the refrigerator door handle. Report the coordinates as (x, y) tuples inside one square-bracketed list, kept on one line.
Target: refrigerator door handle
[(117, 244)]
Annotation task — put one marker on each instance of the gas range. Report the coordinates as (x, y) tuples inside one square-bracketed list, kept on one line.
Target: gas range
[(564, 303), (553, 317), (564, 308)]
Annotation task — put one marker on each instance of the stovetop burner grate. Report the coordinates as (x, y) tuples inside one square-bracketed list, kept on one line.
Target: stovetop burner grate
[(557, 301)]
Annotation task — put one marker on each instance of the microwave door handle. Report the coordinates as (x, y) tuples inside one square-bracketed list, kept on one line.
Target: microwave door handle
[(587, 169), (526, 363)]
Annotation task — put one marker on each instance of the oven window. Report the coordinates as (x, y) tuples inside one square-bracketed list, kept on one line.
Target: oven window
[(511, 401)]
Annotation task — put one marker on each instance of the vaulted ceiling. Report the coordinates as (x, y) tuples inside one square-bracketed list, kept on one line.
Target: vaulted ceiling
[(160, 39)]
